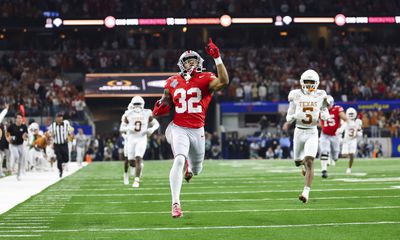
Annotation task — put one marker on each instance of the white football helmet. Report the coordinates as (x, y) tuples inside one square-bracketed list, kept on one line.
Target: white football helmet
[(351, 113), (330, 101), (309, 75), (187, 71), (34, 127), (137, 104)]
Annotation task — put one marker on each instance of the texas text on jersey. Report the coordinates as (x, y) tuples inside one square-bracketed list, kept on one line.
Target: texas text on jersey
[(330, 126), (309, 105), (190, 98)]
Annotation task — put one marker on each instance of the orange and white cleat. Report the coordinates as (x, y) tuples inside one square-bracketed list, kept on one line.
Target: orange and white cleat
[(176, 210)]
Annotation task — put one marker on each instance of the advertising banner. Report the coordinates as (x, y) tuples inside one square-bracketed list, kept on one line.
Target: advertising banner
[(100, 85)]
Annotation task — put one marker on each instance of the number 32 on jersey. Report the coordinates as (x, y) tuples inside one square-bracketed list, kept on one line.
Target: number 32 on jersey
[(191, 104)]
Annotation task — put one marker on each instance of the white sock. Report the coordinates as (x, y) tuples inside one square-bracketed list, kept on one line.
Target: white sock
[(175, 178), (306, 191), (137, 179), (324, 165), (141, 171)]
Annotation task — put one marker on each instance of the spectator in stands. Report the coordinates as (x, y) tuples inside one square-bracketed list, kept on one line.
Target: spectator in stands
[(285, 144), (254, 149), (269, 154)]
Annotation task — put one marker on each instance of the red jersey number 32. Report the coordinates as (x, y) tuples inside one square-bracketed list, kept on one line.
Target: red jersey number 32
[(190, 105)]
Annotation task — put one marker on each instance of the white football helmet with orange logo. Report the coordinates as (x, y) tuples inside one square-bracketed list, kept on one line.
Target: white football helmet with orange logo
[(137, 104), (312, 81)]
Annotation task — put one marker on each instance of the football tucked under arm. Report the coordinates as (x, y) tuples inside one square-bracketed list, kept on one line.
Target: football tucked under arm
[(161, 109)]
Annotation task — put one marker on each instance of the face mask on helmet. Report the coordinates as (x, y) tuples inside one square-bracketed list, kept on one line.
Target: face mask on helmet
[(137, 104), (309, 85), (190, 62), (137, 107)]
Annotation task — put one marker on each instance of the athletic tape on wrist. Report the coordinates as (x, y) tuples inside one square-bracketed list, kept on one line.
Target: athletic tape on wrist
[(218, 60)]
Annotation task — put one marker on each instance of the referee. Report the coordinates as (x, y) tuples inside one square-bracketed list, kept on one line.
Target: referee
[(60, 130)]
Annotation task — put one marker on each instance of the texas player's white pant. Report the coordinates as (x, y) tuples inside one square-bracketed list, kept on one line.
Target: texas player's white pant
[(305, 143), (38, 157), (136, 146), (188, 142), (349, 146), (125, 146), (329, 145)]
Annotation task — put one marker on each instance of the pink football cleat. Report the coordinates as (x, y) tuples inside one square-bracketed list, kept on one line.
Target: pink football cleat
[(176, 210)]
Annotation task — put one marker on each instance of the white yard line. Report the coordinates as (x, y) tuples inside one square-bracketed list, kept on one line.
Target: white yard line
[(13, 223), (229, 200), (24, 227), (86, 181), (226, 192), (144, 188), (204, 227), (14, 192), (21, 236), (235, 211)]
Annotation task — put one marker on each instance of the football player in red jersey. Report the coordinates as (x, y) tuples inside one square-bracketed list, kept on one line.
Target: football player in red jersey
[(329, 143), (190, 93)]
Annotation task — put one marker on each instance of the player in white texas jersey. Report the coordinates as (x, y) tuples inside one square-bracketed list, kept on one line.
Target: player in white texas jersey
[(123, 130), (306, 107), (137, 129), (352, 129)]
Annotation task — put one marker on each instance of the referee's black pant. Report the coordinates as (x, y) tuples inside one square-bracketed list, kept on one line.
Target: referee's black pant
[(61, 151)]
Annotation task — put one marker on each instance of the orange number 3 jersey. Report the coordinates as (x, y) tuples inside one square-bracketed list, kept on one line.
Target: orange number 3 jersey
[(190, 98)]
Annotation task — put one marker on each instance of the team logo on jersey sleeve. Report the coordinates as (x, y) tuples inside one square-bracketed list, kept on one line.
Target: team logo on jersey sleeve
[(174, 83)]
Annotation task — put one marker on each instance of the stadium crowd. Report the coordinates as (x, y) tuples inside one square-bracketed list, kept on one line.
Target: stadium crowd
[(100, 9), (28, 80), (350, 68)]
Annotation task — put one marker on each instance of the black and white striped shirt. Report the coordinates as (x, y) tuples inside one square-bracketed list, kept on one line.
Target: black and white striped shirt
[(60, 132)]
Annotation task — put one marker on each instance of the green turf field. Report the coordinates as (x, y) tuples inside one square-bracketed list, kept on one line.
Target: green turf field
[(229, 200)]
